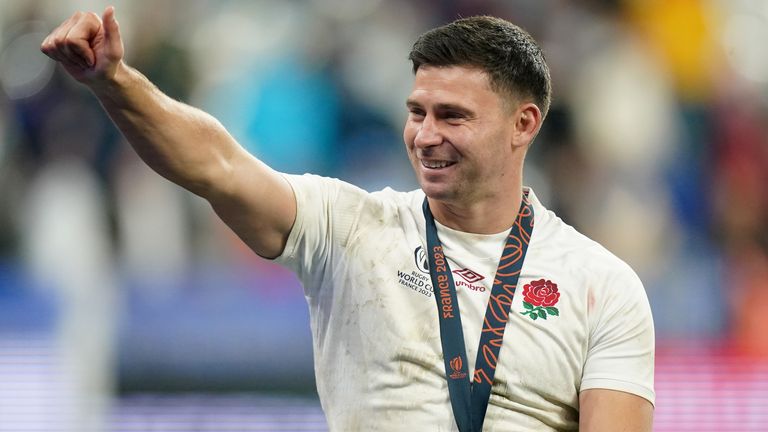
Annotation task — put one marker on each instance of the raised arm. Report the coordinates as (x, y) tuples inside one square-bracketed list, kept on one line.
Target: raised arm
[(183, 144)]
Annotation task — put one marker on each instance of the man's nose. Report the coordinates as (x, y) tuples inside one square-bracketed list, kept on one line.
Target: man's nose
[(428, 133)]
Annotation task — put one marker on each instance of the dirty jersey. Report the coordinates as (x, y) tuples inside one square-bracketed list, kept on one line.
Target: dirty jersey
[(580, 318)]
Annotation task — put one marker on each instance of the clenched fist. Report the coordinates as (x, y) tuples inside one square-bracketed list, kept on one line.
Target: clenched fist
[(88, 46)]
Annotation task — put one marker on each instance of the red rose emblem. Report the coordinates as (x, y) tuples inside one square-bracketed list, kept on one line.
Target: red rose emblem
[(539, 299), (541, 293)]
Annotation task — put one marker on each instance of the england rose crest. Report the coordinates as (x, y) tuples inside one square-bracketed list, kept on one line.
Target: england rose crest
[(539, 299)]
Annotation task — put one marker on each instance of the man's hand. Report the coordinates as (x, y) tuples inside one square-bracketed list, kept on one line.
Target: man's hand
[(89, 47)]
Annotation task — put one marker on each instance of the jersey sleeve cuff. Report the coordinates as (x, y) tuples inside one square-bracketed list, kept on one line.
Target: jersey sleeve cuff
[(620, 385), (289, 251)]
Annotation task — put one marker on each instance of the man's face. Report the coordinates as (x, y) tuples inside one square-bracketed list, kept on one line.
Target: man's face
[(458, 135)]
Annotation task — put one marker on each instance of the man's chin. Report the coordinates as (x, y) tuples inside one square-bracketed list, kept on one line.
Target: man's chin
[(435, 192)]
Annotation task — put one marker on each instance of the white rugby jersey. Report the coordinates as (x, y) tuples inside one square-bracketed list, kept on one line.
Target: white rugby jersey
[(378, 357)]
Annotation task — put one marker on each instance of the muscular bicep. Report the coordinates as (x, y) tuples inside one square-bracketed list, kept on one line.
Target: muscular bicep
[(257, 203), (602, 410)]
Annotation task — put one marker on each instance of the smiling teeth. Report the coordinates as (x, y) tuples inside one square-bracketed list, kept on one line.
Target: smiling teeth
[(435, 164)]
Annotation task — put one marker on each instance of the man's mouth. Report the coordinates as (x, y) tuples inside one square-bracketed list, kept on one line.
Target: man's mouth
[(436, 164)]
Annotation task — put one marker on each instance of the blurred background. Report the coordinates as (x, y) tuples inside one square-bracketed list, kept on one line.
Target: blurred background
[(125, 305)]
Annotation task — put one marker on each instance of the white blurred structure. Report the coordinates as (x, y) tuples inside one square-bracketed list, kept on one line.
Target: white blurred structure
[(153, 228), (65, 242)]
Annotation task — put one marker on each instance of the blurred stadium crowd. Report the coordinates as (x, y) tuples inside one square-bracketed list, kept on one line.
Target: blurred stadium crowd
[(656, 146)]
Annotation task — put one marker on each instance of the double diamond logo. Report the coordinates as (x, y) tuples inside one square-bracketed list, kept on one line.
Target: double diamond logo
[(469, 275)]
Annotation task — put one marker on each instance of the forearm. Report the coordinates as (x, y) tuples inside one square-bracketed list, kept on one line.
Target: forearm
[(183, 144)]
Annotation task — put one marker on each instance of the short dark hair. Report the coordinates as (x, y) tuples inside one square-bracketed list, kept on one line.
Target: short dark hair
[(508, 54)]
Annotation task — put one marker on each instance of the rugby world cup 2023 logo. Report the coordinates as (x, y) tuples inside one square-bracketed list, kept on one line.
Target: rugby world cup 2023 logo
[(456, 365), (420, 258)]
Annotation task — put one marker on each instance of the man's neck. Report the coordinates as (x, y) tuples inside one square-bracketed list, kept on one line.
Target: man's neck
[(489, 216)]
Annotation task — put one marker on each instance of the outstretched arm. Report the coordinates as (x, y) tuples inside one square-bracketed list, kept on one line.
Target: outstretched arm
[(183, 144)]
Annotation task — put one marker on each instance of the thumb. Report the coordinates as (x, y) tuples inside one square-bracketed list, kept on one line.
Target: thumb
[(111, 30)]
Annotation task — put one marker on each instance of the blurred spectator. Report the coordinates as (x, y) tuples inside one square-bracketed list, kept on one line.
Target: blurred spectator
[(740, 198)]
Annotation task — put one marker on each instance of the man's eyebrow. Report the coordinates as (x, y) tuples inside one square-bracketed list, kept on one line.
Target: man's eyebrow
[(456, 108), (410, 103)]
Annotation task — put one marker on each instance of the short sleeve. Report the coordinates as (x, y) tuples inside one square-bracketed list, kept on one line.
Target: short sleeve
[(326, 210), (622, 343)]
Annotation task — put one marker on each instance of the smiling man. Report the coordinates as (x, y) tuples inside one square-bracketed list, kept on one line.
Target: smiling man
[(465, 305)]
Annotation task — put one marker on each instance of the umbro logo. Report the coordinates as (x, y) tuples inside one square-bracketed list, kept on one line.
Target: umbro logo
[(469, 275)]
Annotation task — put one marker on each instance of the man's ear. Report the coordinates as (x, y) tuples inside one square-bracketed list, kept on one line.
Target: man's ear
[(528, 120)]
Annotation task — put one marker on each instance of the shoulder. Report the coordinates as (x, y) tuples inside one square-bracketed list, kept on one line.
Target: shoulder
[(331, 213), (334, 196), (312, 185), (398, 200)]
